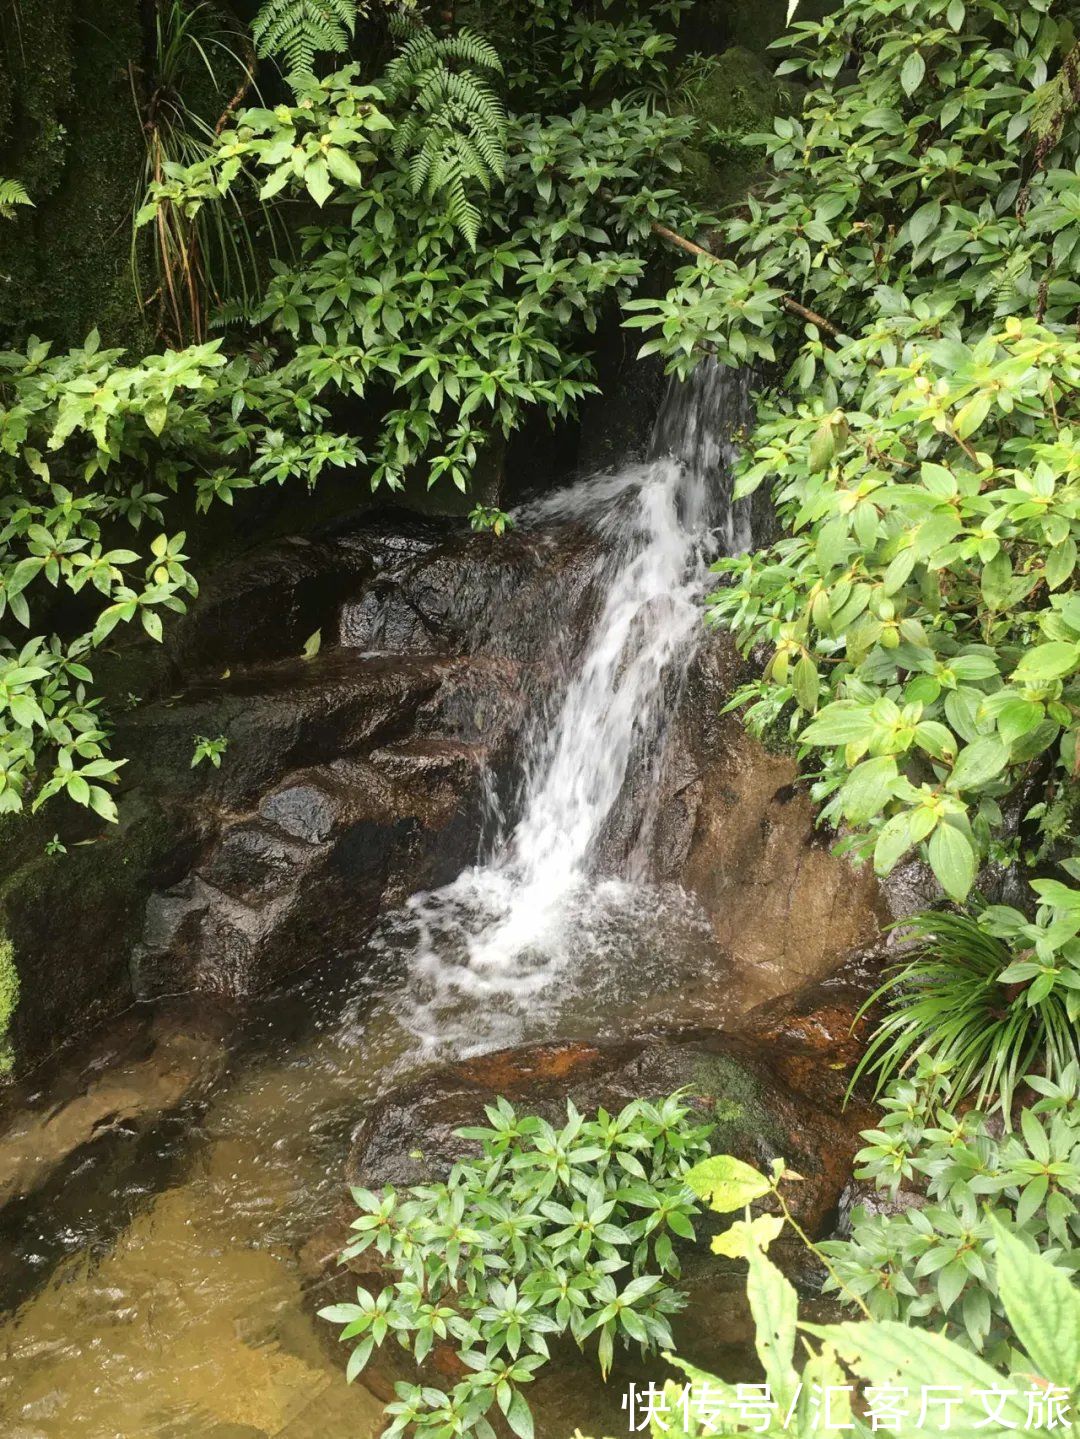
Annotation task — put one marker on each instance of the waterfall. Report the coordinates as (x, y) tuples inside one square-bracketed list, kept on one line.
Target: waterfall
[(539, 910)]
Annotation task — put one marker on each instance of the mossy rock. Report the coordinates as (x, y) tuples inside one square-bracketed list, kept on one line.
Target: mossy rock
[(9, 998), (67, 924), (733, 95)]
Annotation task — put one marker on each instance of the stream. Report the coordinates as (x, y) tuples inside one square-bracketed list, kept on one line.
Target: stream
[(166, 1289)]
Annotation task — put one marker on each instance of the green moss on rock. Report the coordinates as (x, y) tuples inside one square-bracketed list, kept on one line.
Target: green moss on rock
[(71, 133), (733, 95), (9, 998), (740, 1105)]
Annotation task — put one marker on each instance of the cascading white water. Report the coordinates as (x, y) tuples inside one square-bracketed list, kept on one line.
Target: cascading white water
[(496, 940)]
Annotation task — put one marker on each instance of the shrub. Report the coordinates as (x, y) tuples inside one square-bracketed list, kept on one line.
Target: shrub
[(911, 263), (549, 1232), (890, 1362), (937, 1265)]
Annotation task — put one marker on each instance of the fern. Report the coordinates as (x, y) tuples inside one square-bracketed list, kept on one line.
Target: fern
[(12, 194), (295, 31), (453, 134)]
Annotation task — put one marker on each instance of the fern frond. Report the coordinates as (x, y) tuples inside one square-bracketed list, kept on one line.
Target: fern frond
[(453, 133), (295, 31), (12, 194)]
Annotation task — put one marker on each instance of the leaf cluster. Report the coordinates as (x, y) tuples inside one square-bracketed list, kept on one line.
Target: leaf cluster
[(911, 263), (550, 1232), (936, 1261)]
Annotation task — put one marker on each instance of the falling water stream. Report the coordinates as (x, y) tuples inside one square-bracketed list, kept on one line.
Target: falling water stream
[(167, 1300)]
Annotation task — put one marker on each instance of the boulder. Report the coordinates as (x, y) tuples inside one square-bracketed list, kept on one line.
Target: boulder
[(774, 1088), (736, 826)]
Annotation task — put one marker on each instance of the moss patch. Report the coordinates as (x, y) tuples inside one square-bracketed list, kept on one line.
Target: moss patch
[(735, 94), (739, 1108), (72, 135), (9, 998)]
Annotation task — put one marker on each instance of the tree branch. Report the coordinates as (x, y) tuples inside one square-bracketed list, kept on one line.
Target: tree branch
[(786, 301)]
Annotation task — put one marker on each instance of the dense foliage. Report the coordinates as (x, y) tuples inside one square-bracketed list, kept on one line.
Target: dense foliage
[(911, 263), (550, 1232), (935, 1260), (455, 255), (890, 1362)]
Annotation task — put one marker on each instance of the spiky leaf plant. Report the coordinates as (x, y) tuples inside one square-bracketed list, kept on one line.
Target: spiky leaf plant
[(957, 999)]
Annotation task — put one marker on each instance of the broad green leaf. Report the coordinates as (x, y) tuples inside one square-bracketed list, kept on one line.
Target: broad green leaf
[(978, 763), (887, 1354), (868, 788), (839, 723), (805, 682), (1047, 662), (727, 1183), (1043, 1306), (953, 860), (775, 1308), (911, 75)]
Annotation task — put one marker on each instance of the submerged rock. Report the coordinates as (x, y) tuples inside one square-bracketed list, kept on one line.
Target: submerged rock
[(774, 1089)]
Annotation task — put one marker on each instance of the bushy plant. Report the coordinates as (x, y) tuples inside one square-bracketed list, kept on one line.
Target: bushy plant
[(878, 1373), (986, 996), (911, 263), (448, 345), (935, 1262), (549, 1232)]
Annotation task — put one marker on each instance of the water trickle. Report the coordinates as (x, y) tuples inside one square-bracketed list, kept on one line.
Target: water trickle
[(507, 931)]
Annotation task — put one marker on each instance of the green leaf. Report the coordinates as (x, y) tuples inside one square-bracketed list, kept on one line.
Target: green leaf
[(775, 1308), (519, 1416), (357, 1359), (317, 180), (1060, 563), (101, 802), (888, 1353), (911, 75), (997, 581), (839, 723), (868, 789), (953, 860), (822, 447), (312, 645), (1043, 1306), (1047, 662), (978, 763), (727, 1183), (344, 168), (805, 682)]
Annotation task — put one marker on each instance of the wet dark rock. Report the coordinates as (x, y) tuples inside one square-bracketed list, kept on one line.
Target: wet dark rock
[(265, 606), (325, 851), (478, 590)]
